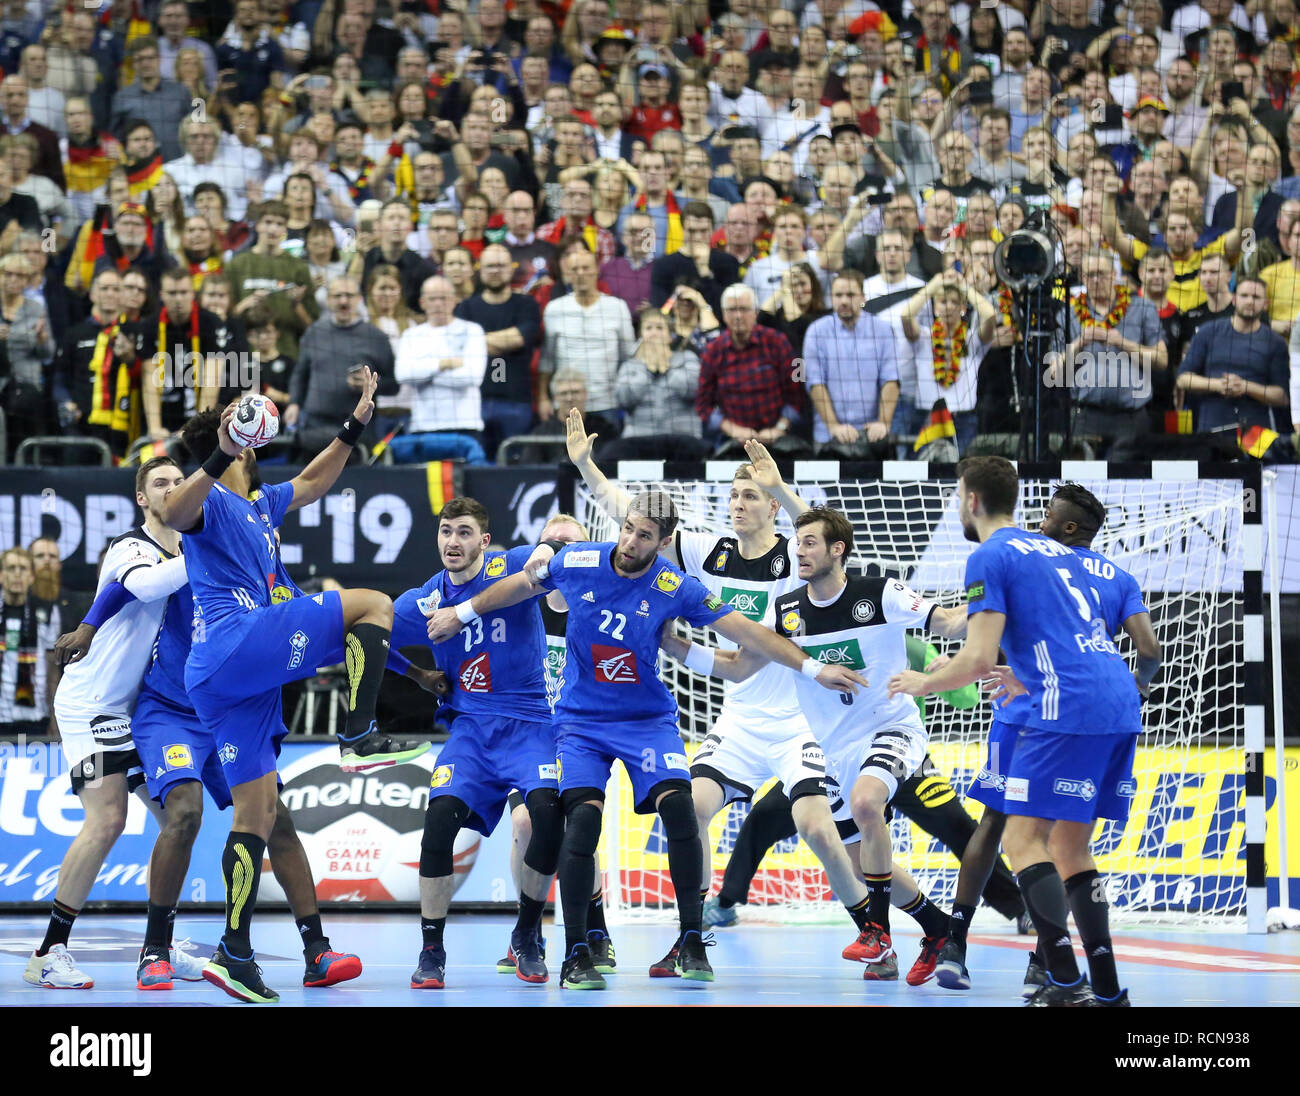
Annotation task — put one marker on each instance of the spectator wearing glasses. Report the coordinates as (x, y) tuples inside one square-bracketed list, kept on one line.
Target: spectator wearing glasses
[(578, 223), (533, 257), (628, 276)]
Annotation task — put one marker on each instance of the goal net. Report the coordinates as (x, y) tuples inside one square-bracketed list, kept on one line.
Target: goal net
[(1180, 856)]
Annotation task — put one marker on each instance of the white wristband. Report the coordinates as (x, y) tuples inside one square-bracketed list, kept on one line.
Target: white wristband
[(465, 611), (700, 659), (811, 668), (542, 573)]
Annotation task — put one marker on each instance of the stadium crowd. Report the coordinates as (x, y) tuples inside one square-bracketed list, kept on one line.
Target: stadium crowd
[(696, 222)]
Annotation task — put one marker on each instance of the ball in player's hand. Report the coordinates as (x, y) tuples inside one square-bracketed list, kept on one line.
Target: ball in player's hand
[(255, 422)]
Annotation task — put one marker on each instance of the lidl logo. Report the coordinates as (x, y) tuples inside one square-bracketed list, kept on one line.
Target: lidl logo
[(748, 603), (496, 567), (666, 582), (280, 594), (442, 776), (178, 757), (844, 653), (790, 621)]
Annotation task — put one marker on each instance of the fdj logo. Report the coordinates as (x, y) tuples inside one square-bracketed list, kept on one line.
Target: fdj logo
[(749, 603), (846, 653), (1080, 789)]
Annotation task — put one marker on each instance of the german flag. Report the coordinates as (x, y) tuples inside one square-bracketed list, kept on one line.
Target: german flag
[(1256, 440), (939, 425), (87, 166), (102, 240), (1178, 422), (442, 484), (143, 176)]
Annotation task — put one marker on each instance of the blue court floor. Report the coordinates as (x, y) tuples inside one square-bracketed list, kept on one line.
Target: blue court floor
[(757, 963)]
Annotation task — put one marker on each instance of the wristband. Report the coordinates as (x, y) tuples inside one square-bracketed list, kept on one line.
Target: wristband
[(465, 611), (700, 659), (216, 464), (351, 431), (811, 668)]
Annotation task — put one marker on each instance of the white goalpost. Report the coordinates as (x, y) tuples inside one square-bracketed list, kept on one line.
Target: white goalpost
[(1193, 848)]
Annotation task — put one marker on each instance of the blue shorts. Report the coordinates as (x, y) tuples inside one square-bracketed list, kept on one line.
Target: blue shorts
[(485, 758), (240, 703), (651, 752), (1071, 777), (990, 785)]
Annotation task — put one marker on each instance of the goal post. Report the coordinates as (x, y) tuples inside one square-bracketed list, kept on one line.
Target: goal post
[(1193, 848)]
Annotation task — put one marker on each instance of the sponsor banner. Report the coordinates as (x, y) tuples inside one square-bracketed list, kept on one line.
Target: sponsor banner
[(1182, 847), (361, 832)]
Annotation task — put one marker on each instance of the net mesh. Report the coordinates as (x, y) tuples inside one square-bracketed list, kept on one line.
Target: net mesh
[(1180, 855)]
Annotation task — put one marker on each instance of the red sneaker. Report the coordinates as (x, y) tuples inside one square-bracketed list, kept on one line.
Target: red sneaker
[(923, 969), (871, 946)]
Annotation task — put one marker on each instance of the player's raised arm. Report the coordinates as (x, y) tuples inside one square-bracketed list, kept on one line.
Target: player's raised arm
[(768, 477), (949, 622), (611, 498), (975, 660), (314, 481), (774, 648), (182, 506), (1149, 655), (734, 665)]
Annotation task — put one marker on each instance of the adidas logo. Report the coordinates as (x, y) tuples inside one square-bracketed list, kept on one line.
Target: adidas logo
[(589, 596)]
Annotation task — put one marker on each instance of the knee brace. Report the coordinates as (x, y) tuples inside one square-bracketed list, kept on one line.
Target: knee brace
[(443, 819), (678, 814), (582, 830), (547, 816)]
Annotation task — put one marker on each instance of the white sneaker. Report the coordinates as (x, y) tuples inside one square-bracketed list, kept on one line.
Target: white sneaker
[(56, 970), (187, 967)]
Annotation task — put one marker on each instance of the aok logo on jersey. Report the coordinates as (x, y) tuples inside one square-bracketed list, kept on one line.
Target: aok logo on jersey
[(845, 653), (748, 603), (476, 675), (614, 665)]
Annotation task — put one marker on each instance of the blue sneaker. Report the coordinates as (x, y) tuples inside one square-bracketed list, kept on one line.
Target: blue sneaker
[(429, 972), (328, 968), (717, 916), (529, 964)]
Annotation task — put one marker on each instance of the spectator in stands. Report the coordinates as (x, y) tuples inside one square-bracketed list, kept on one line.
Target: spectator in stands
[(265, 274), (328, 372), (628, 276), (706, 269), (512, 326), (534, 258), (206, 162), (56, 213), (797, 302), (273, 369), (16, 119), (578, 223), (44, 103), (27, 351), (164, 104), (18, 212), (249, 50), (28, 675), (131, 224), (655, 199), (444, 359), (765, 275), (94, 396), (394, 227), (173, 36)]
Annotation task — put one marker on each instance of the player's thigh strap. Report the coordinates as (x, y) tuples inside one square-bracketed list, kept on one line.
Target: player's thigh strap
[(443, 819), (543, 852)]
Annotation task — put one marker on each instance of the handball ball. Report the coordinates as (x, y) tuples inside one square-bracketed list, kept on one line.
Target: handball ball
[(256, 421)]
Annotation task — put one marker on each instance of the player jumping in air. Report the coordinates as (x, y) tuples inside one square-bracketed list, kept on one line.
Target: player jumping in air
[(246, 647), (1074, 517), (1073, 760), (619, 596)]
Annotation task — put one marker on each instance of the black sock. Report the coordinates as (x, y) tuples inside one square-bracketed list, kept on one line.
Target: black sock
[(724, 903), (61, 918), (366, 647), (241, 869), (878, 900), (959, 922), (596, 913), (1045, 899), (171, 926), (859, 913), (530, 913), (933, 921), (309, 928), (158, 931), (431, 929), (1091, 911)]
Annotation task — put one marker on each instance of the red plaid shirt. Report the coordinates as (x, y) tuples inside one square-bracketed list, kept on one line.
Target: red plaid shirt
[(750, 385)]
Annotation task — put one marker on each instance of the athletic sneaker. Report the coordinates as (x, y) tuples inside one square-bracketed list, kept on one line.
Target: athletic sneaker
[(717, 916), (186, 966), (430, 969), (374, 750), (950, 971), (1054, 995), (153, 973), (577, 971), (56, 970), (692, 957), (871, 946), (529, 965), (506, 964), (328, 968), (602, 951), (883, 970), (1120, 1000), (241, 978), (923, 969), (1035, 976), (667, 966)]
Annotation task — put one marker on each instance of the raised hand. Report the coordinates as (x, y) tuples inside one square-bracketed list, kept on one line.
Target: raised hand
[(576, 439)]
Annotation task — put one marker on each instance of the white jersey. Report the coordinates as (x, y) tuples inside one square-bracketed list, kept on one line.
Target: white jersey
[(751, 587), (107, 680), (863, 629)]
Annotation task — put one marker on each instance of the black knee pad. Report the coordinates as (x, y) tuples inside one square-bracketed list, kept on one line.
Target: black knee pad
[(443, 819), (582, 830), (678, 812), (547, 816)]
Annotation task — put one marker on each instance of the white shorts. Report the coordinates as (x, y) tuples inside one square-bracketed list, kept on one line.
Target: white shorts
[(742, 761), (83, 734), (891, 754)]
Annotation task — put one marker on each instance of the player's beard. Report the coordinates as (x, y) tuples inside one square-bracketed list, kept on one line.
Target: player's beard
[(466, 562), (635, 565), (46, 583), (969, 531)]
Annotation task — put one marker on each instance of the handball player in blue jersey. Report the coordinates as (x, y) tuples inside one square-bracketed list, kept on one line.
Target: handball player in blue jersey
[(1074, 516), (245, 647), (501, 738), (1032, 596), (612, 705)]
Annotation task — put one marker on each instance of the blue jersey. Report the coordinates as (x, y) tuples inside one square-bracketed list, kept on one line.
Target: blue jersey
[(1056, 640), (232, 560), (611, 664), (495, 663)]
